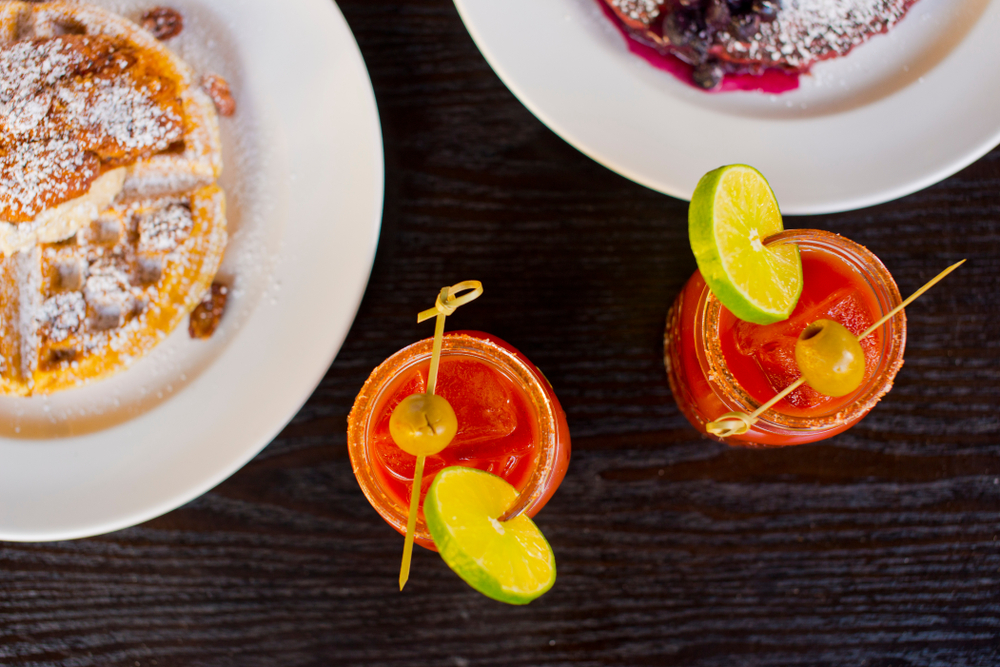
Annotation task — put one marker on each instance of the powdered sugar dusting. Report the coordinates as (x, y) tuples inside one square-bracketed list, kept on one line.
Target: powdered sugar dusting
[(28, 269), (640, 11), (801, 33), (163, 229), (807, 31), (69, 103), (37, 175), (124, 116), (62, 315), (108, 293)]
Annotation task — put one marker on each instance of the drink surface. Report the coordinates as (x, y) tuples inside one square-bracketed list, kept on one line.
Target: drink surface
[(496, 428), (762, 358)]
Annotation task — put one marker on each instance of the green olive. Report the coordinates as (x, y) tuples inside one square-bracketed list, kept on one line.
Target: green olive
[(830, 358), (423, 424)]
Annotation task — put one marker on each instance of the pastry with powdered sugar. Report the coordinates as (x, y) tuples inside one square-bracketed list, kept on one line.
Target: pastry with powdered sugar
[(718, 38), (112, 226)]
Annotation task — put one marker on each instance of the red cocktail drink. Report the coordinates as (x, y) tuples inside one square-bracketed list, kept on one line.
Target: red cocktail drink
[(719, 364), (510, 423)]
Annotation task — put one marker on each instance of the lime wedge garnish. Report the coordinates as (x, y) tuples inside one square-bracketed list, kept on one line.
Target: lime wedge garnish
[(732, 211), (508, 561)]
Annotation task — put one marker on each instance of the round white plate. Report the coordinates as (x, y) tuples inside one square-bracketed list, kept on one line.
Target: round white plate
[(304, 181), (899, 113)]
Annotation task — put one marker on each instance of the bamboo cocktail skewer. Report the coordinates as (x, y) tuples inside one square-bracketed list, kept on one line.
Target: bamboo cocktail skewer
[(738, 423), (448, 301)]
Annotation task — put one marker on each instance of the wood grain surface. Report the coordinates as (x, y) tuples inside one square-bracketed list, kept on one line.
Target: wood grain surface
[(877, 548)]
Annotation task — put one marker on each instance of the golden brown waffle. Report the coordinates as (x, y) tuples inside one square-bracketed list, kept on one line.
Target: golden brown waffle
[(83, 308), (155, 122), (120, 229)]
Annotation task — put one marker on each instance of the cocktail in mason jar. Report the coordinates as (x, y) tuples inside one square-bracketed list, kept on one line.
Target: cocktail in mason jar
[(510, 424), (457, 441), (780, 337), (718, 364)]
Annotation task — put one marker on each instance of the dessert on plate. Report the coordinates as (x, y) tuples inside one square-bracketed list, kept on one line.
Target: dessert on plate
[(112, 225), (750, 44)]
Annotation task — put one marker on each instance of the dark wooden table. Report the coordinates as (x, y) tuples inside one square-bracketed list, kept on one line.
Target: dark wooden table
[(878, 547)]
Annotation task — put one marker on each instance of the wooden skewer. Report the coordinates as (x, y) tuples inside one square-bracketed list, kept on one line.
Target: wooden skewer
[(892, 313), (738, 423), (411, 521), (432, 375), (448, 301)]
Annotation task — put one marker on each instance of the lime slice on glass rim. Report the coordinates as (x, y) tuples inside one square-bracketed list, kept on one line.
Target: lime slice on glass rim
[(508, 561), (732, 211)]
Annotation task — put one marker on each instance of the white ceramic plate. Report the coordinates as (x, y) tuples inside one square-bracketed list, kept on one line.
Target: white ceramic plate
[(304, 181), (901, 112)]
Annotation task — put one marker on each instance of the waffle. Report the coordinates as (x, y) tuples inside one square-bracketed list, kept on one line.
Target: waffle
[(161, 153), (83, 308), (111, 225)]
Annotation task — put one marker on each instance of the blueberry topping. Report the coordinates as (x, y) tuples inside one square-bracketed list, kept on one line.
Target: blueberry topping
[(767, 10), (680, 28), (687, 34), (746, 27), (717, 14), (708, 75)]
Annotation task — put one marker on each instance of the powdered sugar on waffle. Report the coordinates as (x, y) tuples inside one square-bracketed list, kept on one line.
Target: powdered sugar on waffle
[(163, 229), (28, 73), (79, 93), (38, 80), (62, 315), (122, 113), (36, 175), (58, 108), (108, 292)]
